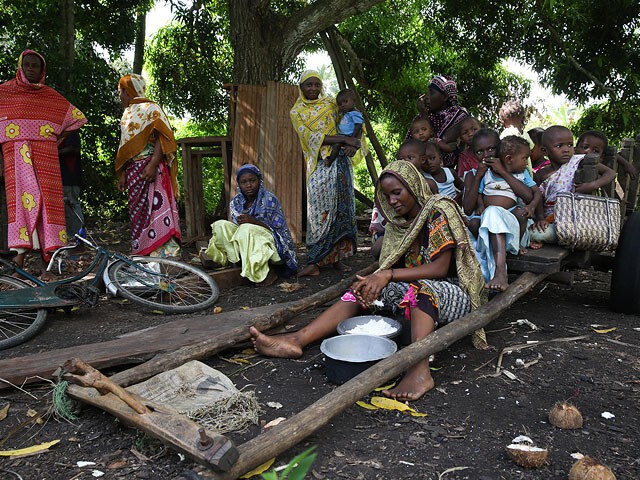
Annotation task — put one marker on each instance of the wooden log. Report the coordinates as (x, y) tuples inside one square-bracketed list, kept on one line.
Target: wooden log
[(288, 433), (206, 447), (198, 351), (143, 345)]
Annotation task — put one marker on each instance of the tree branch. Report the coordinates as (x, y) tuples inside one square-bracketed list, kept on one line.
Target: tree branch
[(300, 27)]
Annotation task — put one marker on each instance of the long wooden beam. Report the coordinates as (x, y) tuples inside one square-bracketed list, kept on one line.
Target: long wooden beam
[(290, 432), (197, 351)]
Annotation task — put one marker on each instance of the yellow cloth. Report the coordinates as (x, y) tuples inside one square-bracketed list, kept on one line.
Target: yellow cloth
[(249, 244), (312, 120), (400, 234)]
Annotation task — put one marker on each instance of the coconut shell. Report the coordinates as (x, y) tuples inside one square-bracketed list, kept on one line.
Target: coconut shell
[(527, 456), (588, 468), (566, 416)]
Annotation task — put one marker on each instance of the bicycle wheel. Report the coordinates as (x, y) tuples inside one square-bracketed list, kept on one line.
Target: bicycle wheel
[(164, 284), (17, 325)]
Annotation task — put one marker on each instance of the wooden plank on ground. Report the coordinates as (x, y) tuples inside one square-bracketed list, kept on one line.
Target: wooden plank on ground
[(170, 344)]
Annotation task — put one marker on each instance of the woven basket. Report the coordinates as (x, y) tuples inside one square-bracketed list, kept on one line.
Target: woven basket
[(586, 222)]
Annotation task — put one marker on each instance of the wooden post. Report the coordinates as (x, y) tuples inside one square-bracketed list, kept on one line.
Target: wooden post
[(288, 433)]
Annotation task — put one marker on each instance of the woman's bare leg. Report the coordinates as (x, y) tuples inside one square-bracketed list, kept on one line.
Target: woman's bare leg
[(500, 280), (290, 345), (417, 380)]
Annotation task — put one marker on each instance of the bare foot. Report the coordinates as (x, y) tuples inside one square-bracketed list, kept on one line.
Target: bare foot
[(280, 346), (415, 383), (499, 282), (522, 251), (312, 270), (535, 245), (341, 267)]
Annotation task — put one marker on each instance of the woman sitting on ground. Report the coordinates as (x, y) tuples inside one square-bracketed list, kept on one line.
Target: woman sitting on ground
[(427, 268), (258, 234)]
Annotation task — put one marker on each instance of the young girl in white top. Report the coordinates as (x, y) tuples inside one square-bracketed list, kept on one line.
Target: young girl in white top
[(448, 181)]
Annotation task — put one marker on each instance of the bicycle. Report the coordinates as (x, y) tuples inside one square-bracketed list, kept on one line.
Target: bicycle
[(164, 284)]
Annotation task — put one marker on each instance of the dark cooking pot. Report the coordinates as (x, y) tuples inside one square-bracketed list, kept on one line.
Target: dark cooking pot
[(350, 355)]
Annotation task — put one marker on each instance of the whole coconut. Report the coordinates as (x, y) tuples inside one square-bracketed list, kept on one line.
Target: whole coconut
[(566, 416), (588, 468), (527, 456)]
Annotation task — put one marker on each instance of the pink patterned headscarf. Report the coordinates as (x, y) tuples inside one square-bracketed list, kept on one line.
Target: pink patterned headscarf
[(446, 85)]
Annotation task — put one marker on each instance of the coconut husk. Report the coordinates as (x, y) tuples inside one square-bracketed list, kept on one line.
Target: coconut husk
[(566, 416), (527, 456), (588, 468)]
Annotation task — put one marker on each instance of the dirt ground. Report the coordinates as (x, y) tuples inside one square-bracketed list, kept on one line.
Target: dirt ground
[(473, 414)]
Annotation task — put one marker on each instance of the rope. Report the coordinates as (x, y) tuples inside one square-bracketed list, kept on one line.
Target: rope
[(63, 405)]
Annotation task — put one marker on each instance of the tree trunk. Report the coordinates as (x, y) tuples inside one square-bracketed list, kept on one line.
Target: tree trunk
[(266, 42), (257, 42), (67, 44), (138, 55)]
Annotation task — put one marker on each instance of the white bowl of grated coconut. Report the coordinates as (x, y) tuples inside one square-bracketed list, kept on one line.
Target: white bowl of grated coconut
[(375, 325)]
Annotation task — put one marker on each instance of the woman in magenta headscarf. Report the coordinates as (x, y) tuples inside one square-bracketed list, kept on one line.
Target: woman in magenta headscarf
[(441, 108), (32, 118)]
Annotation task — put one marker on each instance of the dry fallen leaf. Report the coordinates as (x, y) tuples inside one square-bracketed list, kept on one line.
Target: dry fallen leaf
[(245, 308), (386, 387), (259, 469), (390, 404), (606, 330), (274, 422), (29, 450), (4, 411), (157, 312), (366, 405), (117, 464), (217, 309), (291, 287)]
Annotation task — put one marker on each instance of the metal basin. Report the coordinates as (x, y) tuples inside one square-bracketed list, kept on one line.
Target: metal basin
[(350, 355), (360, 321)]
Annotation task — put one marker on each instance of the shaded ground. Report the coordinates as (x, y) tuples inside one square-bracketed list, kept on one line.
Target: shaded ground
[(472, 415)]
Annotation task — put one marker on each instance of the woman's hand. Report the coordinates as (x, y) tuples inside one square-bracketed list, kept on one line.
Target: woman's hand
[(367, 289), (540, 226), (631, 171), (586, 188), (121, 183), (245, 218), (149, 173), (495, 164)]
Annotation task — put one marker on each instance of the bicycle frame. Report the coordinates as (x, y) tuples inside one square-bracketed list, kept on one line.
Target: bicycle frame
[(48, 294)]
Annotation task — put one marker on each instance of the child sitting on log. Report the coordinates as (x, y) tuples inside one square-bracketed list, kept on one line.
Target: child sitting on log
[(594, 141), (448, 181), (505, 198), (467, 160), (559, 176)]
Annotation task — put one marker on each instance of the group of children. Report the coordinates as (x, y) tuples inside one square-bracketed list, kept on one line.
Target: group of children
[(507, 199)]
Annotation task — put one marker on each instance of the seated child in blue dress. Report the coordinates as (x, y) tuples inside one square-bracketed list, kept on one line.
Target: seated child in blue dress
[(448, 181), (351, 121), (505, 198)]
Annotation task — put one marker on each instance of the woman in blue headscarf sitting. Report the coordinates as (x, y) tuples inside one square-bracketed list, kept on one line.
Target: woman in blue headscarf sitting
[(257, 236)]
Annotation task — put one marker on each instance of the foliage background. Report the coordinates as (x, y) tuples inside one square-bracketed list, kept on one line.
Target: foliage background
[(587, 50)]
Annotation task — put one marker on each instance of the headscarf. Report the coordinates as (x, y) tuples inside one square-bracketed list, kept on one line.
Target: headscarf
[(312, 121), (141, 119), (21, 78), (447, 85), (266, 208), (400, 233)]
